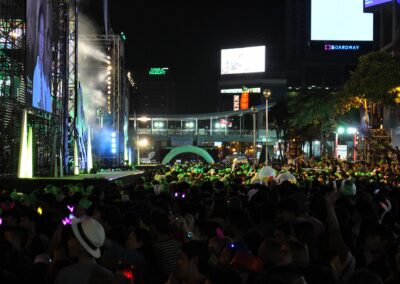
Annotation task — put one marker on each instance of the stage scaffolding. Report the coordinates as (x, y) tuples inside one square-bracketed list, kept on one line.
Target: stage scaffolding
[(114, 113), (59, 87), (67, 158), (54, 133), (60, 137), (12, 81)]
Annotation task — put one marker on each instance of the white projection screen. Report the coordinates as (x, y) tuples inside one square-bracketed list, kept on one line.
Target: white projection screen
[(243, 60), (340, 20)]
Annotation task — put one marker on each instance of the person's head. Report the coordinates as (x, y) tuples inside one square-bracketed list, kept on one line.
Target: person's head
[(10, 217), (348, 187), (304, 232), (40, 266), (318, 273), (364, 276), (87, 238), (283, 232), (227, 254), (138, 238), (378, 238), (287, 211), (394, 257), (272, 254), (284, 275), (298, 253), (224, 275), (253, 240), (193, 260), (216, 246), (159, 222), (27, 220), (99, 275), (16, 236)]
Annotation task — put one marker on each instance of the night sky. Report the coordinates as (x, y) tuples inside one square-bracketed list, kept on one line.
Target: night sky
[(187, 37)]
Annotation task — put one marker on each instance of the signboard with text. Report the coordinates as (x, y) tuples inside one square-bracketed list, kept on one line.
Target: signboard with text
[(341, 152), (157, 71)]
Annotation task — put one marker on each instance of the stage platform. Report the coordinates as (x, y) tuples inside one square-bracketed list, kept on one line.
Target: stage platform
[(126, 177)]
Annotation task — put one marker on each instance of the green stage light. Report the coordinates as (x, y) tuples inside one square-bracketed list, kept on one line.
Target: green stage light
[(123, 36), (25, 169)]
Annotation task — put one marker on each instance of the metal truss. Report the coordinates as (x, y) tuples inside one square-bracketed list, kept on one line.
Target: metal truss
[(70, 100), (60, 88), (12, 81), (112, 43)]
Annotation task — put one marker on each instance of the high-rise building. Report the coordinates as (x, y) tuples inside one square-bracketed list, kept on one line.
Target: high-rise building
[(155, 91)]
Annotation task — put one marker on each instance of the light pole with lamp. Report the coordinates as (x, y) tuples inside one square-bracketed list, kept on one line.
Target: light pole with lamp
[(267, 94), (349, 131), (254, 109), (140, 143), (138, 150)]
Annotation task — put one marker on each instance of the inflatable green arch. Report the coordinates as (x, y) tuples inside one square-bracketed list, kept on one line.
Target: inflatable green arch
[(188, 149)]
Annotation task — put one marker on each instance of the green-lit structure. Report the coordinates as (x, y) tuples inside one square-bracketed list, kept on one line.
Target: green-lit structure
[(34, 141), (12, 82), (43, 129)]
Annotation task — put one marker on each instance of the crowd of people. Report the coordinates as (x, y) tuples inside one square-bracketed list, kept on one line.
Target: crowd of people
[(321, 222)]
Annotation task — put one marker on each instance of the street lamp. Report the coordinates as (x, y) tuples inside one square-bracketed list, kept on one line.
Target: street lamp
[(140, 143), (254, 109), (349, 131), (267, 94), (353, 131)]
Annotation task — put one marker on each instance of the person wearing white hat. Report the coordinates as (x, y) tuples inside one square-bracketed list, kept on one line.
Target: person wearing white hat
[(84, 245)]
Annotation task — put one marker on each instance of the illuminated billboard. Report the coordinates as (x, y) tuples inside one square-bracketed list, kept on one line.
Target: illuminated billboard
[(158, 71), (373, 3), (243, 60), (38, 49), (239, 91), (340, 20)]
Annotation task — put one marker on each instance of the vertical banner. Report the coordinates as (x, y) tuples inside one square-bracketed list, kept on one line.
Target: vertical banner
[(236, 100), (244, 100)]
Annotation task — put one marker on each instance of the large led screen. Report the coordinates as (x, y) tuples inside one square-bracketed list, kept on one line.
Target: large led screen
[(372, 3), (243, 60), (38, 50), (340, 20)]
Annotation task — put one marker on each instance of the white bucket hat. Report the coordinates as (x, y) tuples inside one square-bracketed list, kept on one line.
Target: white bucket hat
[(90, 235), (286, 176)]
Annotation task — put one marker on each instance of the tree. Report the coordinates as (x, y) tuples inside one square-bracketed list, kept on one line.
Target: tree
[(313, 113), (373, 81), (373, 85)]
